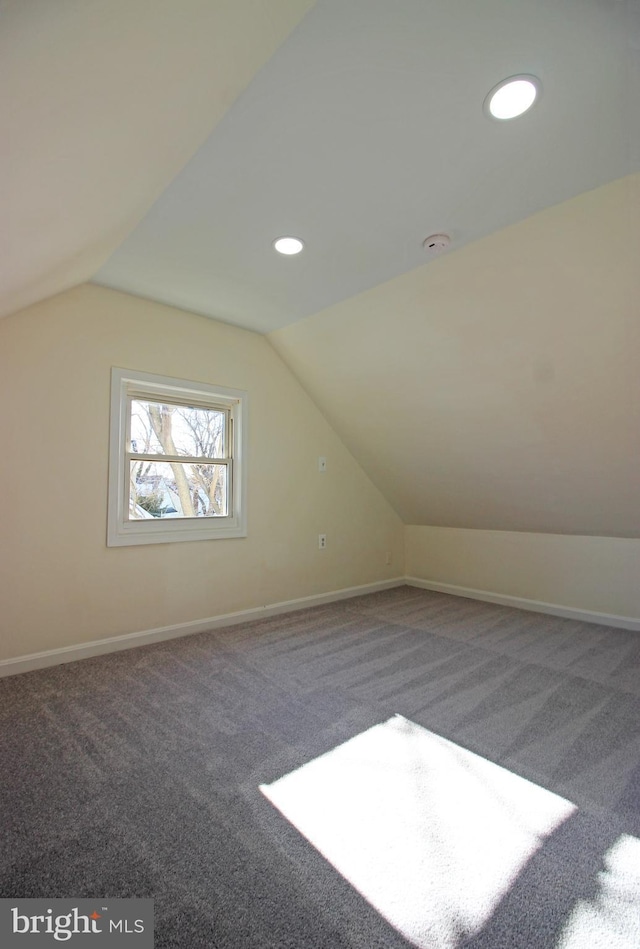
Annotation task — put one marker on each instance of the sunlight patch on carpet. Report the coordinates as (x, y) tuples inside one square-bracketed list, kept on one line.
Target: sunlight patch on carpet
[(430, 834), (612, 918)]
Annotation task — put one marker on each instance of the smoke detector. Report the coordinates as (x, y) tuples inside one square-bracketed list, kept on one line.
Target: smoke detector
[(436, 243)]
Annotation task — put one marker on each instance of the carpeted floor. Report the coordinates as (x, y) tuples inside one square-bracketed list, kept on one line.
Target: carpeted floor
[(139, 773)]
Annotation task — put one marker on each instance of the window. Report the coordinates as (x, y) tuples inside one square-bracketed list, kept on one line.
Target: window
[(176, 460)]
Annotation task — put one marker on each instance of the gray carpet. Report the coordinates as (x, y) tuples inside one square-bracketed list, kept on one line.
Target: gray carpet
[(138, 773)]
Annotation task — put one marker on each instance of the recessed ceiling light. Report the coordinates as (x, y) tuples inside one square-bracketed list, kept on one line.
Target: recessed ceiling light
[(288, 245), (512, 97)]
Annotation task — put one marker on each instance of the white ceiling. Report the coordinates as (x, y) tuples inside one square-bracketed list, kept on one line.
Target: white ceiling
[(102, 103), (494, 387), (365, 132)]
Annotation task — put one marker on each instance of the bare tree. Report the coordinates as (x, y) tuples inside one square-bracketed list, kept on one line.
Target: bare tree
[(207, 429), (161, 420), (188, 431), (141, 469)]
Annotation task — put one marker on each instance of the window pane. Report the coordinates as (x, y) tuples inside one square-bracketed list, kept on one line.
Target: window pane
[(162, 490), (160, 429)]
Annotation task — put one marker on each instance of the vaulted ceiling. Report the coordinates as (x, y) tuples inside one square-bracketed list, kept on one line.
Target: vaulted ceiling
[(365, 133), (159, 146), (497, 387), (102, 103)]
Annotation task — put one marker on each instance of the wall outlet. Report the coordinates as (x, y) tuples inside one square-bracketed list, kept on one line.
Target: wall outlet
[(322, 463), (387, 559), (322, 541)]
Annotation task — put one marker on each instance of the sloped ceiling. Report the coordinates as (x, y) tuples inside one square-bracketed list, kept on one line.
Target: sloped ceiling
[(102, 103), (365, 133), (494, 387), (497, 387)]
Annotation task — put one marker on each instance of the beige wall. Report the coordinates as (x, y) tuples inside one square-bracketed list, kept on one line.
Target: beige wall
[(599, 574), (61, 584)]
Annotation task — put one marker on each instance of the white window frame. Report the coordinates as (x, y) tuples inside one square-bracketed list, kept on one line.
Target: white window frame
[(121, 531)]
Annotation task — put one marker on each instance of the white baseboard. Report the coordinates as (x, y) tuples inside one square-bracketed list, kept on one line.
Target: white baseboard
[(98, 647), (521, 603)]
